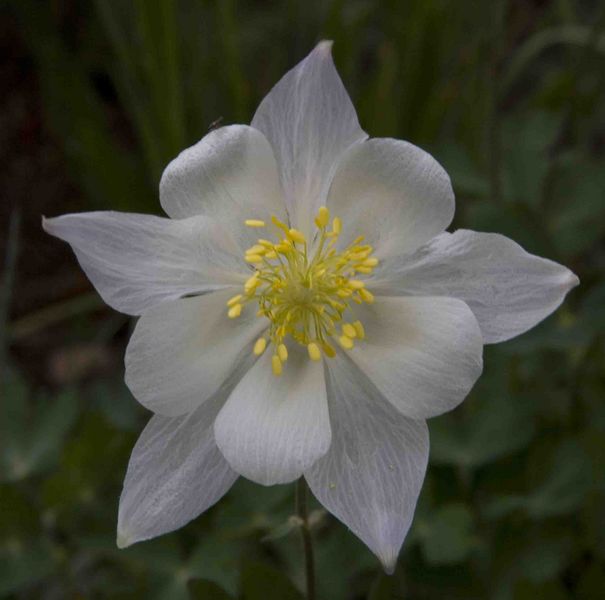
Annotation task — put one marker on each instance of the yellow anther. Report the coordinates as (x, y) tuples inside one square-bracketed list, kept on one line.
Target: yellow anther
[(323, 217), (314, 351), (234, 311), (252, 281), (253, 258), (279, 224), (296, 236), (256, 249), (276, 365), (304, 291), (346, 342), (366, 296), (234, 300), (259, 347), (328, 350), (349, 330), (361, 333), (282, 352), (254, 223)]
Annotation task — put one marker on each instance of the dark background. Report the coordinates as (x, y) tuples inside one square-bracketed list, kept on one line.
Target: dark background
[(96, 97)]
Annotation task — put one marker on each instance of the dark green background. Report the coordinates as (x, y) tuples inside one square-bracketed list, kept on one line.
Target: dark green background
[(98, 96)]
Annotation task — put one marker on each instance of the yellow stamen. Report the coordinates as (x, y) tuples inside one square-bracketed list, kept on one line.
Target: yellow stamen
[(276, 365), (282, 352), (296, 236), (234, 300), (259, 347), (305, 290), (234, 311), (279, 224), (314, 351), (359, 329), (366, 296), (349, 330), (346, 342), (254, 223), (323, 217), (328, 350)]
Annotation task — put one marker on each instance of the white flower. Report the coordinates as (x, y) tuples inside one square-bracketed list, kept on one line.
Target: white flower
[(319, 349)]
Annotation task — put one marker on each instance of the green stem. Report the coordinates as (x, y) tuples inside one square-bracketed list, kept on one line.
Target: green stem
[(12, 249), (302, 512)]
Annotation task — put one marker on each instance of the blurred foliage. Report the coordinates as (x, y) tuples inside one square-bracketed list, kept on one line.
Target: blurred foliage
[(509, 95)]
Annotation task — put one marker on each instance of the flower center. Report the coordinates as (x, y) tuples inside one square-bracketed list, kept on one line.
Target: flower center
[(306, 294)]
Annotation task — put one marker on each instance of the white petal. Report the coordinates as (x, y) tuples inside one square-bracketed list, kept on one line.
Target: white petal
[(372, 475), (138, 261), (175, 473), (310, 121), (393, 193), (230, 175), (182, 351), (508, 289), (423, 354), (273, 428)]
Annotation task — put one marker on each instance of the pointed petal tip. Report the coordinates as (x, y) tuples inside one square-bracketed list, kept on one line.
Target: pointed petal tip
[(324, 47), (389, 562), (123, 541), (572, 280)]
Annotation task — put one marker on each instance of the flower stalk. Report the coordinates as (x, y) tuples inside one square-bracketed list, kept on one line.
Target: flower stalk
[(305, 530)]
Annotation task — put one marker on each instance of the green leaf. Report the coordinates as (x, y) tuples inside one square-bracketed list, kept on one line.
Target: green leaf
[(526, 140), (22, 564), (545, 557), (384, 588), (217, 559), (263, 582), (526, 590), (498, 426), (568, 482), (576, 221), (447, 536), (33, 432), (202, 589)]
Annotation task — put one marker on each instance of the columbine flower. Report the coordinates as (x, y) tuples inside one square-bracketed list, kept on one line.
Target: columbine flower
[(302, 312)]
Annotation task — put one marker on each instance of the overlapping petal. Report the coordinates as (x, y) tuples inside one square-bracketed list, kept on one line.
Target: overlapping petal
[(310, 121), (423, 354), (272, 429), (181, 352), (138, 261), (175, 473), (393, 193), (371, 477), (508, 289), (230, 175)]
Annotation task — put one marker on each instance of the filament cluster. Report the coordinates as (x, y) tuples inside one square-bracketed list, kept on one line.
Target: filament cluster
[(305, 290)]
